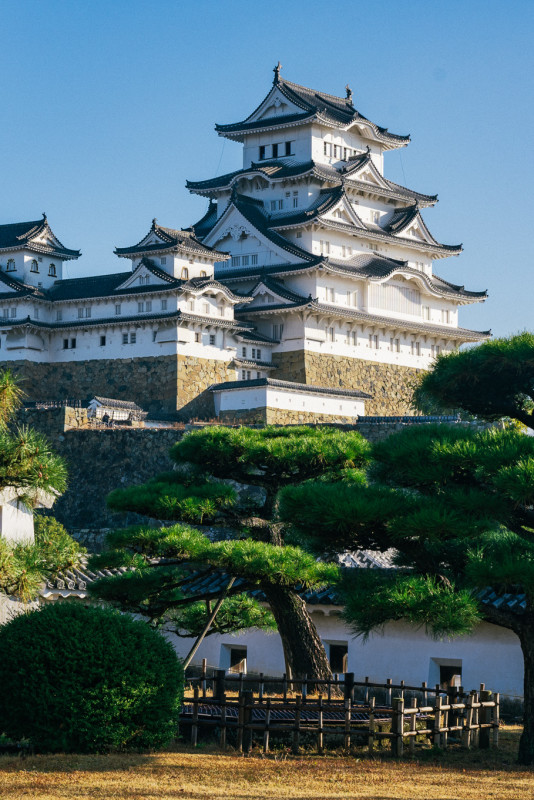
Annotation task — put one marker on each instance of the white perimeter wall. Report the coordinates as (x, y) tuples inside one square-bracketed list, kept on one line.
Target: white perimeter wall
[(272, 397), (490, 655)]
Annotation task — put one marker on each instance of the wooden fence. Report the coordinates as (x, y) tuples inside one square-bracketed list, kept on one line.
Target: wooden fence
[(259, 708)]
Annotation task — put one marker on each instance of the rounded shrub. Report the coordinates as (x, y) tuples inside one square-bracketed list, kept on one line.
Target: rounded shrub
[(87, 680)]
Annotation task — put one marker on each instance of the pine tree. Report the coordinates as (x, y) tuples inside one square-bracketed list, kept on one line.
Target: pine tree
[(454, 503), (28, 463), (252, 554)]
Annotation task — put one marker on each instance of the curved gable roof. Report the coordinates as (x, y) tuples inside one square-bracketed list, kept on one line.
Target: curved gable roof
[(25, 235), (337, 111)]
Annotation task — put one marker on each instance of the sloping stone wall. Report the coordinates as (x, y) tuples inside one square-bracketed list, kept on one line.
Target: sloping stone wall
[(389, 384), (162, 385)]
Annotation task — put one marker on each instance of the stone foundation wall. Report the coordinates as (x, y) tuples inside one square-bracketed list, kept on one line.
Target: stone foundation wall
[(389, 384), (280, 416), (52, 421), (195, 375), (162, 385)]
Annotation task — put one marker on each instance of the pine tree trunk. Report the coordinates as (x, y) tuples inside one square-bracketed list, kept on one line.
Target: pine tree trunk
[(526, 745), (303, 649)]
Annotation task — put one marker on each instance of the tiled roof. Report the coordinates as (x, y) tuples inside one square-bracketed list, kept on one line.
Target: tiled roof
[(251, 362), (75, 582), (171, 238), (279, 289), (21, 235), (283, 168), (205, 223), (287, 385), (463, 334), (253, 337), (111, 403), (365, 266), (336, 111)]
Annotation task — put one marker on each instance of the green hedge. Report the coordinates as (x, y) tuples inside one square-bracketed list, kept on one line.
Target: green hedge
[(87, 680)]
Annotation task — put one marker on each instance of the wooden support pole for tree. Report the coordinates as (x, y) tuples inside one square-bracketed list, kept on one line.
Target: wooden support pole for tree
[(209, 623)]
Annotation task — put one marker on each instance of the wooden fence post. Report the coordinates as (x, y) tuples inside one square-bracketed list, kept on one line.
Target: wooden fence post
[(436, 737), (204, 672), (484, 719), (495, 720), (218, 685), (248, 696), (296, 730), (348, 691), (222, 741), (371, 737), (413, 726), (468, 721), (194, 722), (320, 737), (397, 727), (267, 725), (348, 709), (240, 721)]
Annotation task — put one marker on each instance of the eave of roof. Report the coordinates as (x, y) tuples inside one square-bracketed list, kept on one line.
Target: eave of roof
[(455, 334), (287, 386), (239, 325)]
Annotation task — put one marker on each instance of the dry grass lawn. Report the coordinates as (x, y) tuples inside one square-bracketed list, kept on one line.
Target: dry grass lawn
[(208, 774)]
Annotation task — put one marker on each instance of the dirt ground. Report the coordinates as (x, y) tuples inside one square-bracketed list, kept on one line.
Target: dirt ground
[(208, 774)]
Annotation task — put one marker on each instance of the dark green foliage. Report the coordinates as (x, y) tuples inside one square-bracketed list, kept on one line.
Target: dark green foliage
[(421, 600), (87, 680), (168, 498), (493, 380), (162, 559), (24, 566), (59, 550), (240, 612), (157, 589), (271, 455), (332, 516)]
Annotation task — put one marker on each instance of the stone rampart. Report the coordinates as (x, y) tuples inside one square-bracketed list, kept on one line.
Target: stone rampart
[(163, 385), (389, 384)]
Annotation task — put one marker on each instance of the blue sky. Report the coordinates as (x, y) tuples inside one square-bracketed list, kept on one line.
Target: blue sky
[(110, 106)]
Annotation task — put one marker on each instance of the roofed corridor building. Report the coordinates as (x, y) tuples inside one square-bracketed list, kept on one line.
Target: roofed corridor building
[(309, 266)]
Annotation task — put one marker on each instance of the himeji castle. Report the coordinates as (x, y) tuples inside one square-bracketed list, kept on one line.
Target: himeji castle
[(306, 292)]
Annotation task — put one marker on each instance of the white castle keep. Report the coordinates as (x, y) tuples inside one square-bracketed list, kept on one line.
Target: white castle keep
[(306, 292)]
